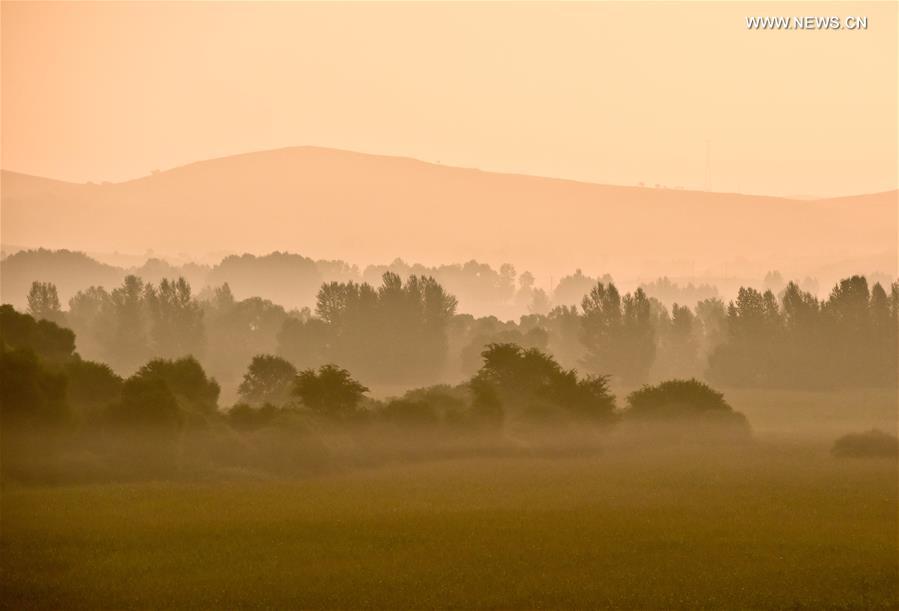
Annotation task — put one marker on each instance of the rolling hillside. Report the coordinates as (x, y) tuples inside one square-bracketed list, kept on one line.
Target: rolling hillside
[(366, 208)]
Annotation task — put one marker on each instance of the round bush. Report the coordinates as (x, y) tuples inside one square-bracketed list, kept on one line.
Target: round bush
[(682, 401)]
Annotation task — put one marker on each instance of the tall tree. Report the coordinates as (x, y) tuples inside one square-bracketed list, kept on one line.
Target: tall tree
[(127, 344), (396, 333), (618, 333), (601, 327), (89, 316), (43, 302), (176, 320), (637, 348)]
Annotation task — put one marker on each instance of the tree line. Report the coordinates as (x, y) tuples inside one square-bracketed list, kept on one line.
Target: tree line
[(292, 280), (405, 332), (48, 385)]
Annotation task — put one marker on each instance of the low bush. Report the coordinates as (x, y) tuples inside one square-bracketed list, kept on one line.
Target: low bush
[(870, 444)]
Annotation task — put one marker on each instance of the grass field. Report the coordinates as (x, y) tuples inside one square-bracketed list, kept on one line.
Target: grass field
[(775, 525)]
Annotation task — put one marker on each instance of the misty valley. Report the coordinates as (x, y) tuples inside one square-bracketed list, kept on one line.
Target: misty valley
[(620, 427), (448, 305)]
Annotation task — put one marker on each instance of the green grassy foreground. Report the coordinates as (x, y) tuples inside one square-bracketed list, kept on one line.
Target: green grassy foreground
[(775, 526)]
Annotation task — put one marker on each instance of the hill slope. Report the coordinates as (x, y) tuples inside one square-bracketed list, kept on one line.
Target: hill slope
[(365, 208)]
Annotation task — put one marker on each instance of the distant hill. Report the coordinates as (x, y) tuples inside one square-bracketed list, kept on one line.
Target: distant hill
[(361, 208), (69, 271)]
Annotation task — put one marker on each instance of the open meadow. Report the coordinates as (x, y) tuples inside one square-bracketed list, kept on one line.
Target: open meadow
[(776, 523)]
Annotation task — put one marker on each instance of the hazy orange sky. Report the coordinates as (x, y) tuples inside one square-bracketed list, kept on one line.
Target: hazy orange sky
[(612, 93)]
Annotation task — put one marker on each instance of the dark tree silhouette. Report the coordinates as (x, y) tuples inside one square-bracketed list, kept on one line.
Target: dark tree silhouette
[(330, 391), (247, 417), (529, 383), (147, 403), (31, 394), (46, 339), (91, 386), (753, 330), (269, 379), (684, 401), (187, 382), (675, 398)]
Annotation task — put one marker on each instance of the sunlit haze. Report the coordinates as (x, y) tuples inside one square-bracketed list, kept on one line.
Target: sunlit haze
[(449, 305), (677, 94)]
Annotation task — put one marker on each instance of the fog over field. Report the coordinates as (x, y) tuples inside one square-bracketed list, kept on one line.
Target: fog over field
[(448, 306)]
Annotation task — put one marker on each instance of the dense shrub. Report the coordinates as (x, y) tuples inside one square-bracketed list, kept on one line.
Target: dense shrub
[(452, 404), (682, 401), (146, 403), (91, 386), (871, 444), (530, 384), (186, 380), (30, 393), (331, 391), (247, 417), (675, 398), (410, 412), (46, 339)]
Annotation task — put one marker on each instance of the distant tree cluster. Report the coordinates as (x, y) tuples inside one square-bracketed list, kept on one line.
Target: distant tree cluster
[(289, 279), (617, 333), (477, 286), (239, 329), (137, 321), (669, 292), (571, 289), (394, 333), (797, 341), (407, 331)]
